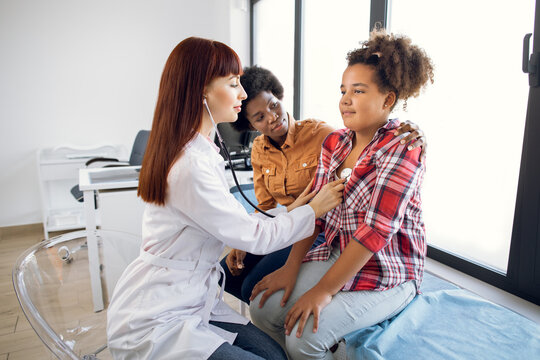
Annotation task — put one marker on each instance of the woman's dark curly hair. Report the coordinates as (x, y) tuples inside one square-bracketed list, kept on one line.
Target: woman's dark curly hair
[(256, 80), (399, 66)]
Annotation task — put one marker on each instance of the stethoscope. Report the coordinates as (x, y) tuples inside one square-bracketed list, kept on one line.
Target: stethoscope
[(226, 152), (345, 173)]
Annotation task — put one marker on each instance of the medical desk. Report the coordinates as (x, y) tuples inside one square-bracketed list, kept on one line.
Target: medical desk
[(119, 208)]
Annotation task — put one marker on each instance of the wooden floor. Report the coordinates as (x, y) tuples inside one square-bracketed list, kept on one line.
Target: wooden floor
[(17, 338)]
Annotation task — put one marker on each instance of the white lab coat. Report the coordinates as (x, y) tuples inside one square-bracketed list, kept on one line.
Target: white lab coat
[(164, 300)]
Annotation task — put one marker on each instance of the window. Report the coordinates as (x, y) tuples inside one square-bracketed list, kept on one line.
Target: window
[(474, 117), (273, 42), (329, 33)]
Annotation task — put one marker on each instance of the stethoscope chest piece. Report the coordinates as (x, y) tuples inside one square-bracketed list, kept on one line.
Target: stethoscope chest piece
[(345, 173)]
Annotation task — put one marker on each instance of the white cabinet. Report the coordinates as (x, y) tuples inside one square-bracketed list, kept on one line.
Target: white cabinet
[(121, 211), (116, 192), (58, 172)]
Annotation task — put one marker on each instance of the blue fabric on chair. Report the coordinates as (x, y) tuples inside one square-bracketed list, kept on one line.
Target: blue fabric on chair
[(249, 191), (446, 322)]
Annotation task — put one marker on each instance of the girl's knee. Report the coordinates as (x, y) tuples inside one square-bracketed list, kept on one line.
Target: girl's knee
[(305, 347), (261, 316), (255, 313), (272, 304)]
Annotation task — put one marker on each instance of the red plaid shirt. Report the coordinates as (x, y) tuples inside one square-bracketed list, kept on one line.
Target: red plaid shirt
[(381, 208)]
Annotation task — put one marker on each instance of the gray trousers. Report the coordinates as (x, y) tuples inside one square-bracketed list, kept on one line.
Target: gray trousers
[(348, 311)]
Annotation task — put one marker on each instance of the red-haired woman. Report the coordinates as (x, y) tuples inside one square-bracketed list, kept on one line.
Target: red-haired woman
[(166, 304)]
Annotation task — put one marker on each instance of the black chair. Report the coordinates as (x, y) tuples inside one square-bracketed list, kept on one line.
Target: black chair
[(238, 144), (135, 159)]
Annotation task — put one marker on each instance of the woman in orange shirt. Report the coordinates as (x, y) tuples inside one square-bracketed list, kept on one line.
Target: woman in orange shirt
[(284, 160)]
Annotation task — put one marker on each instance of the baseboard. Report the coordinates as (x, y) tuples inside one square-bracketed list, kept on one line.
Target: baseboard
[(38, 227)]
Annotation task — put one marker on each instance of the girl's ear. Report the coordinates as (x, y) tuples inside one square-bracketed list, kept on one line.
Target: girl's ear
[(390, 99)]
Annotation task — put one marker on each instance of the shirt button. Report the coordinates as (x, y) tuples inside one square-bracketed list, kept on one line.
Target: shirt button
[(304, 164), (267, 171)]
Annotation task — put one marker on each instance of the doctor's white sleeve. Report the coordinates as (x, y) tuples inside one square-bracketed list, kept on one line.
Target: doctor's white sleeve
[(197, 190)]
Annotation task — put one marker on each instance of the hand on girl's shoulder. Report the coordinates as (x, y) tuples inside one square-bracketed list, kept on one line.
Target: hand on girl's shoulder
[(390, 145)]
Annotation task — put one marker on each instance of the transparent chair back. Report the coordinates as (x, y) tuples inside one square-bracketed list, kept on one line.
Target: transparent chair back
[(52, 283)]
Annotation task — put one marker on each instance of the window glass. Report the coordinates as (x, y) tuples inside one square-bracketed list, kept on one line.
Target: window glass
[(273, 42), (473, 116), (329, 33)]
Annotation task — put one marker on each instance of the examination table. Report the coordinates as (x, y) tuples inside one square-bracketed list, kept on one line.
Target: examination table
[(446, 322)]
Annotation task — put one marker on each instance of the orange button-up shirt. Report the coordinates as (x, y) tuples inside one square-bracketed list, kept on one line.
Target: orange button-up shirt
[(281, 174)]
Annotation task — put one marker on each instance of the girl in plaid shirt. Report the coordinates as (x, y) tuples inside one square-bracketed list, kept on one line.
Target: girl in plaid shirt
[(371, 264)]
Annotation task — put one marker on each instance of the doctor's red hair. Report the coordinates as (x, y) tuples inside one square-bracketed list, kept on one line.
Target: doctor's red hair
[(191, 66)]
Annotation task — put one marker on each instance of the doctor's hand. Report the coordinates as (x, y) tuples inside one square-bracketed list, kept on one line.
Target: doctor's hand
[(283, 278), (416, 137), (330, 196), (235, 261), (312, 302)]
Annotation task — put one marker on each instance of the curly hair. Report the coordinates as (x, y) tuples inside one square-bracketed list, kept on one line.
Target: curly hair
[(256, 80), (399, 66)]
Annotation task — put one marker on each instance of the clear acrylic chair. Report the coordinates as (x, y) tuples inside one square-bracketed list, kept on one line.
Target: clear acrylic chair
[(52, 283)]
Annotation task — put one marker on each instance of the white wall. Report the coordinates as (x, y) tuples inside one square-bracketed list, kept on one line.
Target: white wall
[(87, 72)]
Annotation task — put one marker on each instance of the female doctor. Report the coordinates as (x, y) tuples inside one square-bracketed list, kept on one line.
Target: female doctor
[(166, 304)]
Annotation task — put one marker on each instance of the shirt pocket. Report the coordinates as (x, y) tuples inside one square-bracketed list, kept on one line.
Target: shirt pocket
[(269, 176), (304, 170)]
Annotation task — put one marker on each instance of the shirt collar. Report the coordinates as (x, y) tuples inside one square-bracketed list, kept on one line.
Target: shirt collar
[(391, 124), (203, 141), (345, 143), (291, 134), (203, 145)]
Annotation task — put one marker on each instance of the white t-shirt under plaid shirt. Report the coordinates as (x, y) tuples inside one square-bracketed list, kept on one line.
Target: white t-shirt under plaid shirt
[(381, 208)]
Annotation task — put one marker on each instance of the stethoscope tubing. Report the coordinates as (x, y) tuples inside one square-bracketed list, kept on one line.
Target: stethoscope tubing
[(224, 149)]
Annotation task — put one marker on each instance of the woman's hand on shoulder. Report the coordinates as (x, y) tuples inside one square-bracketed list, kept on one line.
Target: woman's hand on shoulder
[(415, 137)]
